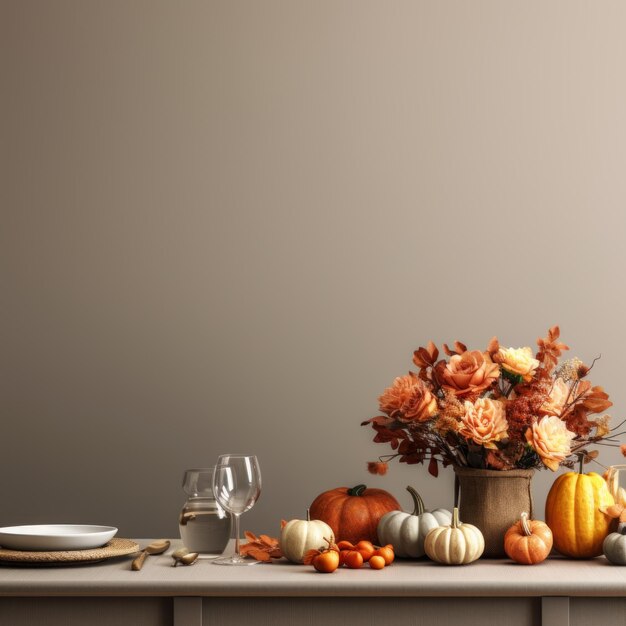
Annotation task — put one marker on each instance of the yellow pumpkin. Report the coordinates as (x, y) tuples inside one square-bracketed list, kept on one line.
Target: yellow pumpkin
[(574, 517)]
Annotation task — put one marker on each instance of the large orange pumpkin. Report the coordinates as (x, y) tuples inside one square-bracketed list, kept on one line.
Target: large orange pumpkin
[(353, 514), (573, 514)]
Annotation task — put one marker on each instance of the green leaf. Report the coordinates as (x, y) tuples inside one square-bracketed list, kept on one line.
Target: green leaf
[(514, 379)]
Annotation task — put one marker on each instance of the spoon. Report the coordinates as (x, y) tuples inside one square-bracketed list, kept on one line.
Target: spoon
[(182, 555), (156, 547)]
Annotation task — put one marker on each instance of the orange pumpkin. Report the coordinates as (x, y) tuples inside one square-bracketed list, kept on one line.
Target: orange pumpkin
[(353, 514), (573, 514), (528, 541)]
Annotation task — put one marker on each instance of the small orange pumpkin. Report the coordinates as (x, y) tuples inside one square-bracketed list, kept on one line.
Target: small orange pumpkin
[(528, 541), (353, 514)]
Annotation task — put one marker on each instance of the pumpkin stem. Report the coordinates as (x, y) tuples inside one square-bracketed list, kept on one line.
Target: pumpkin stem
[(581, 458), (525, 524), (308, 515), (418, 503), (357, 491), (455, 518)]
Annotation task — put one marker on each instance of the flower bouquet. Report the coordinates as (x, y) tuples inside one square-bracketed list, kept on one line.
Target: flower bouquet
[(498, 409)]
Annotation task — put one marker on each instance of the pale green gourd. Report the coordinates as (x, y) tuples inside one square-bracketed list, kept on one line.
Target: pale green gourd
[(614, 546), (406, 532)]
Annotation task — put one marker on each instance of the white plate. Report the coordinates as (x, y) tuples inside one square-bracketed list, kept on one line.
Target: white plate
[(43, 537)]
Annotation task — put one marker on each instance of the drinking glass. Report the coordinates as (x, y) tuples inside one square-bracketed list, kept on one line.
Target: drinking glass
[(237, 486), (204, 525), (616, 481)]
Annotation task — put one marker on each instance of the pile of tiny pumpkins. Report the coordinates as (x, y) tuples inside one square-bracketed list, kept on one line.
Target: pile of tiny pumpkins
[(580, 520)]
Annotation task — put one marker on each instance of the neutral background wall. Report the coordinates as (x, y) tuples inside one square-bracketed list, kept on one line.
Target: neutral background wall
[(227, 225)]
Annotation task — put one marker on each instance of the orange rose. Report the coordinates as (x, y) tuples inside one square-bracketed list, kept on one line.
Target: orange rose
[(550, 439), (408, 400), (467, 373), (484, 422)]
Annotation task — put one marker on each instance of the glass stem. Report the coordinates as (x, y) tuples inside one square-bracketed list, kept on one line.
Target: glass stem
[(237, 547)]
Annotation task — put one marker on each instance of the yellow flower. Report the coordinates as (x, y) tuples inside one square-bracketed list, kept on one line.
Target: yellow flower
[(556, 400), (484, 422), (550, 439), (518, 361)]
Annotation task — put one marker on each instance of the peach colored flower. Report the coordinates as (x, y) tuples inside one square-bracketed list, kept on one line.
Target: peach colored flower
[(555, 402), (467, 373), (408, 400), (484, 422), (551, 440), (518, 361)]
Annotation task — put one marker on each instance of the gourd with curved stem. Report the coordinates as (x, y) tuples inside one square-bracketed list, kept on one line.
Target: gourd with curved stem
[(407, 531)]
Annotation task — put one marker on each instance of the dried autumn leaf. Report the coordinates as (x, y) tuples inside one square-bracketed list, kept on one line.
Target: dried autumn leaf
[(262, 548), (588, 456), (459, 348), (493, 347), (596, 400), (433, 467), (258, 554), (616, 511), (426, 357), (380, 420), (309, 556), (550, 349)]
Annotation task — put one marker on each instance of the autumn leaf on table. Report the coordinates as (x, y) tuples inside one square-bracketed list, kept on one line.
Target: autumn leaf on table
[(262, 548), (309, 556)]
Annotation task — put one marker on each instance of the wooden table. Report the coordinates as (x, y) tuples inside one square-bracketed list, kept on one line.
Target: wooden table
[(558, 592)]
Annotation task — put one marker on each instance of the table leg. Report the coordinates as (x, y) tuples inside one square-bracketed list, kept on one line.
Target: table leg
[(555, 611), (187, 611)]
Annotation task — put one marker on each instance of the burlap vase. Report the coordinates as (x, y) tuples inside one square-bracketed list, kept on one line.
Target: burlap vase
[(493, 501)]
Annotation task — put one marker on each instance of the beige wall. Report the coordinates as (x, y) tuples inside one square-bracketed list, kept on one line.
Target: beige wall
[(226, 226)]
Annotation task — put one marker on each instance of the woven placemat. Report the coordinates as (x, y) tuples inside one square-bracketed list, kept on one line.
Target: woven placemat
[(115, 547)]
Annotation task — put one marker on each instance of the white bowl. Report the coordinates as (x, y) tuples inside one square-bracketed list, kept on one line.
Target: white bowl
[(42, 537)]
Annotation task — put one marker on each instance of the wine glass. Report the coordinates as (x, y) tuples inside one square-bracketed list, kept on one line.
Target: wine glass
[(616, 482), (237, 486)]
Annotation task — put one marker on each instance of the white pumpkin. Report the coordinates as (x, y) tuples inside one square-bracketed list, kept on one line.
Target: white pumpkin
[(406, 532), (456, 544), (298, 536)]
